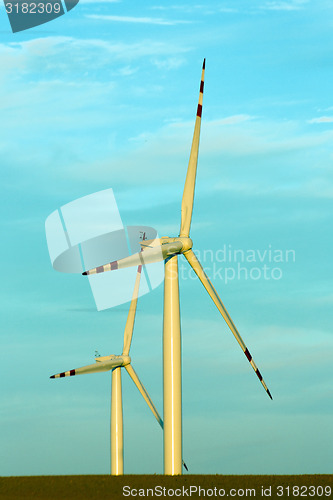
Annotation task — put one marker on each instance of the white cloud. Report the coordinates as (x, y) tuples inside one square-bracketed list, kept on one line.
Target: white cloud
[(168, 63), (288, 6), (188, 8), (295, 346), (68, 56), (321, 119), (137, 20), (237, 139), (229, 10), (240, 139), (242, 134), (232, 120), (127, 70)]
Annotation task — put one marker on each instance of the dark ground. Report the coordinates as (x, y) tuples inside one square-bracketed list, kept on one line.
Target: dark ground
[(187, 486)]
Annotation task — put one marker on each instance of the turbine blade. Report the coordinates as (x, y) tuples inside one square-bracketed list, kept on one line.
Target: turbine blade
[(144, 393), (196, 266), (149, 256), (95, 368), (188, 194), (128, 333)]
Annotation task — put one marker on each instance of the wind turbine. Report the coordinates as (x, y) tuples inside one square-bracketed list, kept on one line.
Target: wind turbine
[(115, 363), (168, 249)]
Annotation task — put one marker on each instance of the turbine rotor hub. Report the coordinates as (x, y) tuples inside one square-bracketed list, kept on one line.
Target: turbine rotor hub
[(181, 244), (126, 360), (187, 243)]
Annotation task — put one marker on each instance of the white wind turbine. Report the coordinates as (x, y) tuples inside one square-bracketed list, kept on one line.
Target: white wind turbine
[(168, 249), (115, 363)]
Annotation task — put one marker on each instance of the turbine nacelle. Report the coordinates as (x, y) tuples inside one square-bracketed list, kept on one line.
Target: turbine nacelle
[(114, 360), (181, 244), (168, 245)]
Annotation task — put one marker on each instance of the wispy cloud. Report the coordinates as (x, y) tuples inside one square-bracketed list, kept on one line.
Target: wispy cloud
[(287, 5), (188, 8), (137, 20), (229, 10), (233, 120), (68, 55), (321, 119), (293, 5), (127, 70), (169, 63), (229, 141)]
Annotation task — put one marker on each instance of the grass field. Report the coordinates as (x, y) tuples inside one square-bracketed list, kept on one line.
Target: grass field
[(187, 486)]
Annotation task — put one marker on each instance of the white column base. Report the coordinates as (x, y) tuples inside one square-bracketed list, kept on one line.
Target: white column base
[(172, 383), (117, 442)]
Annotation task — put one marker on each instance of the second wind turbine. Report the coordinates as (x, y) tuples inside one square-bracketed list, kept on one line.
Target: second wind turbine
[(168, 249), (115, 363)]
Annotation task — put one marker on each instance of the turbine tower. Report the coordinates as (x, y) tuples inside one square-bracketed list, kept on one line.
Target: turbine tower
[(115, 363), (168, 249)]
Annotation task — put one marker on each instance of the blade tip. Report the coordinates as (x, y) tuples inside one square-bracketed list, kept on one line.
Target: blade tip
[(270, 395), (52, 376), (85, 273), (204, 63)]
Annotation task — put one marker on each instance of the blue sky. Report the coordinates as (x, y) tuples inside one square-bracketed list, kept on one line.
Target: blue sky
[(105, 96)]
